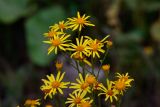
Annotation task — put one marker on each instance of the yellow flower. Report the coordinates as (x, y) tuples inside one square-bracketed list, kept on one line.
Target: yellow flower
[(76, 99), (81, 86), (106, 67), (60, 26), (58, 42), (79, 22), (32, 103), (81, 48), (52, 33), (59, 65), (125, 78), (86, 104), (95, 47), (110, 92), (48, 105), (109, 43), (90, 79), (120, 85), (54, 85)]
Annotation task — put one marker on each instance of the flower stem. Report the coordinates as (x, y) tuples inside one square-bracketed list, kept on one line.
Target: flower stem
[(102, 62)]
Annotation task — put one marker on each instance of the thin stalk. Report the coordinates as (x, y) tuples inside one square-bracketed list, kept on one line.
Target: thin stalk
[(92, 66), (99, 101), (83, 69), (77, 65), (93, 97), (102, 62), (79, 33), (119, 103)]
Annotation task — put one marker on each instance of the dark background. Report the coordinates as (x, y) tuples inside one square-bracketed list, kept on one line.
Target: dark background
[(134, 26)]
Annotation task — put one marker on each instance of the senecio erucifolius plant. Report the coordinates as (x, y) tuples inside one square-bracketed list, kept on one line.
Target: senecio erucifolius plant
[(84, 51)]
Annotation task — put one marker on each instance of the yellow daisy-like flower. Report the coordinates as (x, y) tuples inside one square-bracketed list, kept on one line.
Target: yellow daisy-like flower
[(125, 78), (95, 47), (32, 103), (60, 26), (86, 104), (79, 22), (120, 85), (58, 42), (52, 33), (81, 48), (54, 85), (76, 99), (110, 92), (81, 86)]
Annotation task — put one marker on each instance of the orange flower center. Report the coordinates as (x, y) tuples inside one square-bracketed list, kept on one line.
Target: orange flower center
[(51, 33), (80, 48), (120, 85), (56, 42), (55, 84), (90, 79), (77, 100), (46, 90), (85, 104), (61, 26), (80, 21), (94, 47), (110, 92), (84, 86)]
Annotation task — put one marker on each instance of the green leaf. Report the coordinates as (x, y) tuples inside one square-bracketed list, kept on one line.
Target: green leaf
[(11, 10), (35, 27)]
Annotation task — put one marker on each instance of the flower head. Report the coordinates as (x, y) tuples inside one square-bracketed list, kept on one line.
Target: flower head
[(76, 99), (90, 79), (95, 47), (110, 92), (79, 22), (54, 84), (58, 42), (81, 48), (59, 65), (106, 67), (32, 103), (60, 26), (81, 86), (122, 83), (126, 78)]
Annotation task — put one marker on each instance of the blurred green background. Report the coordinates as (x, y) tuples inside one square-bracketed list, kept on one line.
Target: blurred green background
[(134, 26)]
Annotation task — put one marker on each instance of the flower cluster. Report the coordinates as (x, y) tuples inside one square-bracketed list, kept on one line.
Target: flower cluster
[(84, 51)]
